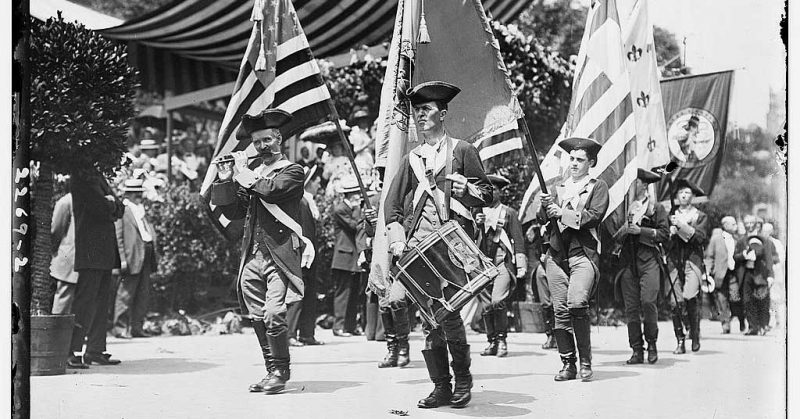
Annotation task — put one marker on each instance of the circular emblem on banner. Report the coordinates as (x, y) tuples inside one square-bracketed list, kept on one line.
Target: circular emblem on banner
[(693, 136)]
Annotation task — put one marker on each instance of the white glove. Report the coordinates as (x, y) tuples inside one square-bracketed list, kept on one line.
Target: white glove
[(750, 255), (239, 161), (361, 259), (397, 248), (308, 254)]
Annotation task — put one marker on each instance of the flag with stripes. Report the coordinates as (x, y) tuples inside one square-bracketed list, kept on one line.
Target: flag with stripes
[(601, 108), (278, 70)]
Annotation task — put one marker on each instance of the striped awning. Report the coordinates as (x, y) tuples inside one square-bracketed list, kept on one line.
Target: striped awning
[(194, 44)]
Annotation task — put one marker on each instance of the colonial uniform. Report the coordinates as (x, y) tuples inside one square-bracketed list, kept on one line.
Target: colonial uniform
[(685, 261), (573, 260), (422, 174), (500, 238), (270, 275), (639, 277)]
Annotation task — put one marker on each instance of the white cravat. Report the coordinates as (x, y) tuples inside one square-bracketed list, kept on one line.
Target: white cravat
[(492, 217), (138, 214), (730, 244), (572, 190)]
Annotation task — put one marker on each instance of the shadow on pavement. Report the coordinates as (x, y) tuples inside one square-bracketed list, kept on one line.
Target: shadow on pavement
[(662, 363), (475, 378), (611, 352), (512, 353), (152, 366), (493, 404), (301, 387), (604, 374), (341, 361)]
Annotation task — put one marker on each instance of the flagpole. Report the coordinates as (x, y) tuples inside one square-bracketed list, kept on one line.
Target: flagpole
[(349, 152), (536, 165)]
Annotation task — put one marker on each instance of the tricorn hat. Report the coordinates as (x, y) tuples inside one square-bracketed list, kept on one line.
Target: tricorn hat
[(499, 181), (270, 118), (588, 144), (432, 91), (679, 184), (647, 176)]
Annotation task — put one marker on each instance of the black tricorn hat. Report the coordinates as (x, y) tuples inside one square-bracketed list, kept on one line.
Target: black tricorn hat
[(679, 184), (499, 181), (438, 91), (647, 176), (592, 146), (270, 118)]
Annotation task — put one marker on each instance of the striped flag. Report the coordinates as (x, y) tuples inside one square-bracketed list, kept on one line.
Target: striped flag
[(601, 109), (278, 70)]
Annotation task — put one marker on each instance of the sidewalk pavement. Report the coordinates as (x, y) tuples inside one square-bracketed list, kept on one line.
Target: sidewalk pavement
[(733, 376)]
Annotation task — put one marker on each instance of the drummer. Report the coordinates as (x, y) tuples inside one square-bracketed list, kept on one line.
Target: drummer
[(501, 239), (423, 174)]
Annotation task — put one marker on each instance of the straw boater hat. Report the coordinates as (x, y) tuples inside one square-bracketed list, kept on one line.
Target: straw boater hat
[(270, 118), (360, 114), (686, 183), (432, 91), (311, 173), (148, 144), (349, 186), (132, 185)]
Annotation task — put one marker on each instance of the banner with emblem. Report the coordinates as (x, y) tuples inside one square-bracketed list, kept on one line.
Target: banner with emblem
[(696, 111)]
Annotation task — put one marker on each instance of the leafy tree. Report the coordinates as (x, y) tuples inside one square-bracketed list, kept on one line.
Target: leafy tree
[(668, 53), (82, 92), (558, 24)]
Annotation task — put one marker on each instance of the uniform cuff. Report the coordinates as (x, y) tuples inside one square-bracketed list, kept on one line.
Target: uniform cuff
[(246, 178), (395, 232)]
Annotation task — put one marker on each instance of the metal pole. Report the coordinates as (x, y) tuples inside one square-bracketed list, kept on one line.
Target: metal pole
[(349, 152), (169, 147), (536, 165)]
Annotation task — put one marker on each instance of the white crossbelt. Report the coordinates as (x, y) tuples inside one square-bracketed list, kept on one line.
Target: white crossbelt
[(423, 186)]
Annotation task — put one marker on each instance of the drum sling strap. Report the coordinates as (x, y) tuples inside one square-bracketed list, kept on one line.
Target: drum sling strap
[(442, 212)]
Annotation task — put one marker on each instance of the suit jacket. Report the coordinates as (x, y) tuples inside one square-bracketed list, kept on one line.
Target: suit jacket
[(465, 161), (716, 257), (95, 235), (130, 244), (764, 264), (62, 234), (590, 218), (284, 188), (345, 225)]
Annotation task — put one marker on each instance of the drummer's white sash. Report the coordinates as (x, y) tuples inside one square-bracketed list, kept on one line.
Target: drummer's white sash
[(493, 215), (423, 185)]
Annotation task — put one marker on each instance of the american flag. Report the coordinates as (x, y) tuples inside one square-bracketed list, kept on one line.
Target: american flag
[(601, 109), (278, 70)]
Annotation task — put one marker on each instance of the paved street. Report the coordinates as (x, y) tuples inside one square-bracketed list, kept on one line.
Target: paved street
[(733, 376)]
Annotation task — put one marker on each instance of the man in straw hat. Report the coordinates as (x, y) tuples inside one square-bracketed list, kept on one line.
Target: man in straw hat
[(425, 169), (136, 241), (501, 239), (688, 234), (574, 210), (273, 245), (645, 228)]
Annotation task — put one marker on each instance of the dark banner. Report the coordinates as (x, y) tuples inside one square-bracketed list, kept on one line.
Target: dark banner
[(696, 112)]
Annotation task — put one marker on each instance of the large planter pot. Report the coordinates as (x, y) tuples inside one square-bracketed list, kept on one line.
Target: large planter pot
[(50, 338)]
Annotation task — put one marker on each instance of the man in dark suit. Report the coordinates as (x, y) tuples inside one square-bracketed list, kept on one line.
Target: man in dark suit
[(575, 208), (754, 270), (722, 267), (345, 269), (273, 247), (638, 238), (136, 240), (95, 208), (441, 169)]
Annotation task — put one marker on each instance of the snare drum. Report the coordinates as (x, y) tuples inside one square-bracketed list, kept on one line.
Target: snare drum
[(443, 272)]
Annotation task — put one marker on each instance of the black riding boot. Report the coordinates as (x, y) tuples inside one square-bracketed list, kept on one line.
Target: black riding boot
[(436, 361), (581, 326), (501, 330), (261, 333), (651, 336), (566, 350), (401, 329), (549, 324), (463, 378), (636, 343), (279, 346), (693, 312), (491, 333), (677, 325), (390, 360)]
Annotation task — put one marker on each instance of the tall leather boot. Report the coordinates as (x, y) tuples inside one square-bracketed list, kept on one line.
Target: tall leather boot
[(677, 325), (582, 328), (491, 333), (436, 361), (261, 333), (566, 350), (401, 329), (693, 311), (279, 345), (636, 343), (651, 336), (463, 378), (549, 324), (501, 330), (390, 360)]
